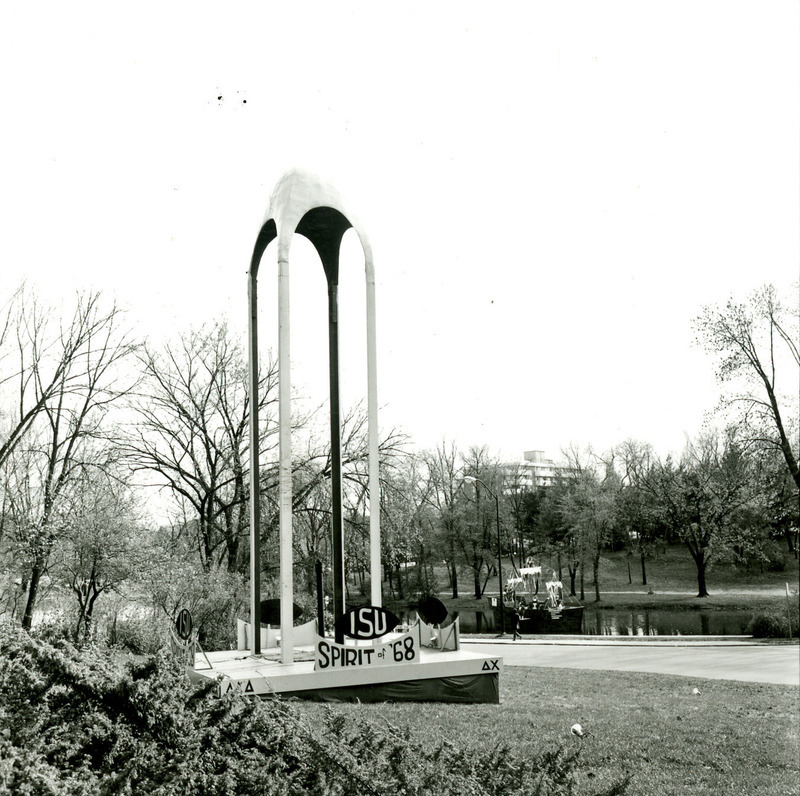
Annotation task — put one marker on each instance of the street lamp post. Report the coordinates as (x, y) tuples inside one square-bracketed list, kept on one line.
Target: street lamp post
[(472, 479)]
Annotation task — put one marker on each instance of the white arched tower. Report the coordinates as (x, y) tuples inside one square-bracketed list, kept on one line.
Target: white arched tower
[(302, 203)]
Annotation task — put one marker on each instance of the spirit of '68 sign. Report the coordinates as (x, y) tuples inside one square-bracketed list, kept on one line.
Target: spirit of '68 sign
[(329, 655)]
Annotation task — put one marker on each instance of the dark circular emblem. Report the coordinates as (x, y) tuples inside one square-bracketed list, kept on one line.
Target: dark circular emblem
[(367, 622), (271, 612), (432, 610), (183, 625)]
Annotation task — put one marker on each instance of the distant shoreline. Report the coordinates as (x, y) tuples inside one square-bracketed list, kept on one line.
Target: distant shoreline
[(750, 599)]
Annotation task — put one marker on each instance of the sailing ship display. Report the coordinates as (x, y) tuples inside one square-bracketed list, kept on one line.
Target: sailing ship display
[(529, 612)]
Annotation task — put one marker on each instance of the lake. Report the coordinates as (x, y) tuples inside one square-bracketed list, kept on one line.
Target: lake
[(636, 622), (661, 622)]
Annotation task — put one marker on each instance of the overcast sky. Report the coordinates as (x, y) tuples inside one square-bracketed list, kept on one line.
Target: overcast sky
[(552, 190)]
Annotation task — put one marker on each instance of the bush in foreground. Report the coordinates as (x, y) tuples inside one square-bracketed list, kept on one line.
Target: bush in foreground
[(774, 623), (71, 722)]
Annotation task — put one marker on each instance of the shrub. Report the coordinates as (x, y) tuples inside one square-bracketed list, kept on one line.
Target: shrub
[(71, 722), (217, 599), (141, 636), (774, 623), (214, 598), (54, 627)]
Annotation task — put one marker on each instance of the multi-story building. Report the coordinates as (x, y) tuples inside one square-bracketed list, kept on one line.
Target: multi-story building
[(535, 470)]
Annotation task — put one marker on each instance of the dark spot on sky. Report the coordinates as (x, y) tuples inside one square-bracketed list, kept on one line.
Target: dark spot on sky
[(244, 102)]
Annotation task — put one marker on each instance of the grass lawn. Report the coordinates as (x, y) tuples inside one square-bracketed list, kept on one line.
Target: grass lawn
[(671, 569), (671, 577), (732, 738)]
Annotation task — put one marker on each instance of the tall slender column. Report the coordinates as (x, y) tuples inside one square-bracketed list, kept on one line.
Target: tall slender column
[(255, 514), (372, 417), (285, 463), (336, 455)]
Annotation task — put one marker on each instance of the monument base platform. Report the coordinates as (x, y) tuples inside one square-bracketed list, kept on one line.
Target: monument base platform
[(438, 676)]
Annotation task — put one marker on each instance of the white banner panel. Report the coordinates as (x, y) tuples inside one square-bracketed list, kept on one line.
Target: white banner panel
[(330, 656)]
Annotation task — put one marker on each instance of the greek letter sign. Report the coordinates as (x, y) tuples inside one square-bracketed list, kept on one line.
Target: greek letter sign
[(329, 655)]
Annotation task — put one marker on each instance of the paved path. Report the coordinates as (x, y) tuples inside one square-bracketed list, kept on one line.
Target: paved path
[(718, 660)]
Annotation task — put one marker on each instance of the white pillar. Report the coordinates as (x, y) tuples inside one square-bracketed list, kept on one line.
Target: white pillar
[(372, 417), (285, 463)]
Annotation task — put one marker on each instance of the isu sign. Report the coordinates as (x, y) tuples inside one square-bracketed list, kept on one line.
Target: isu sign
[(183, 625), (367, 622), (330, 655)]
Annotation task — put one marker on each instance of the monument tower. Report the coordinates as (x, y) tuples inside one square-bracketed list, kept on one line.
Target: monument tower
[(302, 203)]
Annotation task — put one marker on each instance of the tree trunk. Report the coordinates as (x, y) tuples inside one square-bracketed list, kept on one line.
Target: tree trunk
[(88, 616), (583, 593), (596, 576), (785, 444), (476, 582), (702, 591), (81, 619), (232, 545), (644, 570), (453, 567), (33, 593), (309, 567), (573, 571)]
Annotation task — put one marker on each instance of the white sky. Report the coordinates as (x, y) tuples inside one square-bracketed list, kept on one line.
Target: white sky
[(552, 190)]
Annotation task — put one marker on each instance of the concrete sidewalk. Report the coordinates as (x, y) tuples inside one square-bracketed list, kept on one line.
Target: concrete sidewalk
[(730, 658)]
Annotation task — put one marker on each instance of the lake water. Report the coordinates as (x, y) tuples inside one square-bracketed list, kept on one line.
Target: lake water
[(607, 622), (612, 622)]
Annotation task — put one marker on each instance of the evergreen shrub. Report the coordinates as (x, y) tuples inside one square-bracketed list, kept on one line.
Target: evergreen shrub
[(77, 722), (774, 623)]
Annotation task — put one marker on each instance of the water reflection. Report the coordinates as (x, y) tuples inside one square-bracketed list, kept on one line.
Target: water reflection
[(609, 622)]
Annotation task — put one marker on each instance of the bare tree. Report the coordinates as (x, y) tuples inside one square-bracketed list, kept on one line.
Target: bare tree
[(753, 342), (312, 468), (311, 535), (312, 464), (95, 555), (407, 526), (479, 535), (519, 498), (635, 511), (191, 437), (64, 385), (48, 362), (703, 496), (193, 412), (587, 506), (443, 466)]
